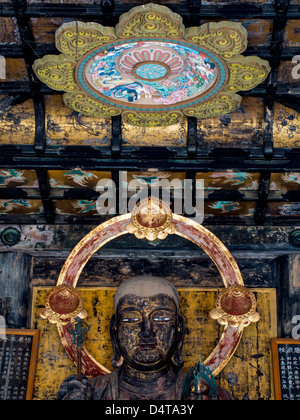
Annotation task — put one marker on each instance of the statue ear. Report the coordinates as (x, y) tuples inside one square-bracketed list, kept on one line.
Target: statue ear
[(177, 358), (117, 361)]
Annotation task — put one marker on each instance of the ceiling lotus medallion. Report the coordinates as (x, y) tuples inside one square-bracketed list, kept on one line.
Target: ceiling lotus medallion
[(150, 68)]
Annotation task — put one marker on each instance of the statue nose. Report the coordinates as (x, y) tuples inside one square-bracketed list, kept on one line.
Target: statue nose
[(146, 330)]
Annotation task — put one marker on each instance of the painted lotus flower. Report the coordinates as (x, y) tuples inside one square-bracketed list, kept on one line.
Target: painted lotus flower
[(151, 69)]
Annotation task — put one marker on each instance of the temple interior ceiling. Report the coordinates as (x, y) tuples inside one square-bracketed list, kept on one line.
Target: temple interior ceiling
[(53, 157)]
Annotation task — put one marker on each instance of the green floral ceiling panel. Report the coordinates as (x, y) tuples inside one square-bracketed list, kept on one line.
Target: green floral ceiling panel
[(151, 69)]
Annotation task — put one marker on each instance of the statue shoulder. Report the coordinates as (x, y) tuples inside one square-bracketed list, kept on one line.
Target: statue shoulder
[(105, 387)]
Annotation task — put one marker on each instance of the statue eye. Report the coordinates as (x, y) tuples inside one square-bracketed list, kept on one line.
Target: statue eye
[(162, 316), (161, 319), (130, 320)]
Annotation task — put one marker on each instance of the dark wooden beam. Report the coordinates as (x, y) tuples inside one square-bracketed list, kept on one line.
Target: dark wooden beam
[(289, 101), (192, 137), (269, 110), (279, 25), (194, 7), (288, 295), (116, 135), (29, 55), (207, 11), (263, 194), (15, 280), (81, 219), (137, 159), (40, 123), (45, 190)]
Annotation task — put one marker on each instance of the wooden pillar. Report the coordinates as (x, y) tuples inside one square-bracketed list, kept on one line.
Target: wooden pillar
[(15, 289), (289, 296)]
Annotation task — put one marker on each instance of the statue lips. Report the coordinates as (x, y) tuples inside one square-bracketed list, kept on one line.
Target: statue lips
[(147, 345)]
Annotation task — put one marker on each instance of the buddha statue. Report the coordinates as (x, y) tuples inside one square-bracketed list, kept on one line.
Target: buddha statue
[(147, 334)]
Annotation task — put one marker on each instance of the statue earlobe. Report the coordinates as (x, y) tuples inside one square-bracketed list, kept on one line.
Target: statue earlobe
[(117, 361), (177, 359)]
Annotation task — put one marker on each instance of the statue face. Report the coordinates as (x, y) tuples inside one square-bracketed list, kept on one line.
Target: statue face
[(147, 331)]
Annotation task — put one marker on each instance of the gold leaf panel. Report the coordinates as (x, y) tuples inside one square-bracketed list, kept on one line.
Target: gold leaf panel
[(66, 127)]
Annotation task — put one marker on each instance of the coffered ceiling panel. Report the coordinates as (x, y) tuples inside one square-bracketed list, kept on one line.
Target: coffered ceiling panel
[(51, 157)]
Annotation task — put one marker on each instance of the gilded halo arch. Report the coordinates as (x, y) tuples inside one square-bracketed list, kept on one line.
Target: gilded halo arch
[(189, 230)]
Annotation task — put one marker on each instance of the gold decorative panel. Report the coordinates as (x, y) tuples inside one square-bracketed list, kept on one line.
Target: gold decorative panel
[(18, 178), (76, 178), (242, 128), (66, 127), (18, 124), (21, 206), (75, 207), (230, 180), (286, 127), (173, 136), (230, 208), (284, 182)]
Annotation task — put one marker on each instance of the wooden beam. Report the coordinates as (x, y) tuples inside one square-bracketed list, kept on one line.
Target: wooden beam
[(27, 40), (289, 101), (288, 294), (143, 158), (279, 25), (15, 277), (116, 137), (45, 190), (207, 11), (192, 137), (263, 194)]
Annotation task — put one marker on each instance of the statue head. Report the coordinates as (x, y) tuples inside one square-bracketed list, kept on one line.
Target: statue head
[(147, 331)]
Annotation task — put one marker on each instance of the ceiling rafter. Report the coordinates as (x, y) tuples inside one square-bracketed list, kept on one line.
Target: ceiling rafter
[(140, 158), (45, 191), (289, 101), (207, 11), (279, 26), (27, 39)]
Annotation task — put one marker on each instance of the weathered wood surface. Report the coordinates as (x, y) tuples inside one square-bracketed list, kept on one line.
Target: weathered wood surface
[(15, 288), (183, 272), (289, 297), (257, 239)]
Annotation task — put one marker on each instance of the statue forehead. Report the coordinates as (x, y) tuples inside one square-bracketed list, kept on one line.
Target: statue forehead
[(146, 286)]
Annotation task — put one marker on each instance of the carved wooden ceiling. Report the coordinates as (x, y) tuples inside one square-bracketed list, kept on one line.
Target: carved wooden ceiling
[(51, 158)]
